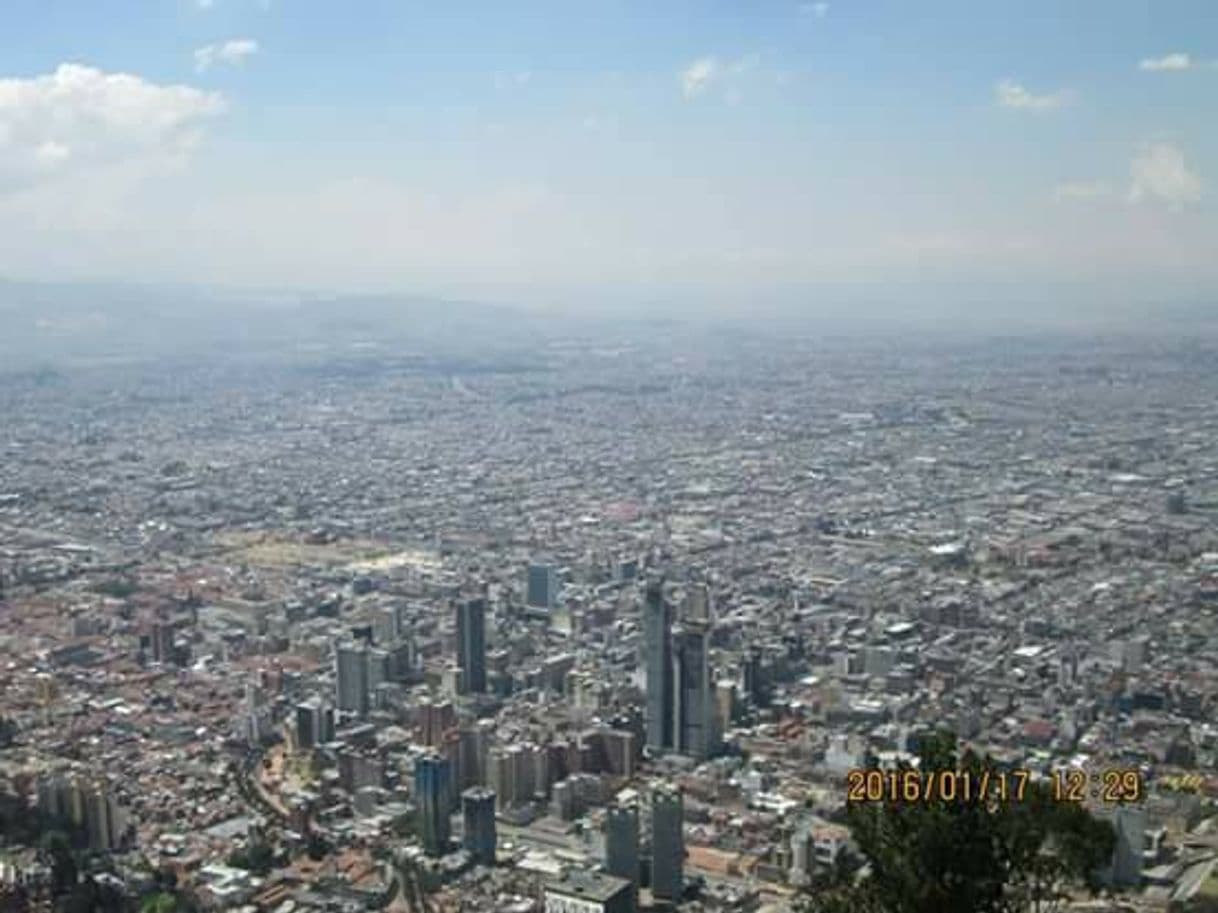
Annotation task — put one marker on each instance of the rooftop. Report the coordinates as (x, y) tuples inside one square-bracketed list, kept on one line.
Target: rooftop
[(590, 885)]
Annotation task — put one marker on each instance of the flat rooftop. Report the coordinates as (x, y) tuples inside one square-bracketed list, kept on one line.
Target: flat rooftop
[(593, 886)]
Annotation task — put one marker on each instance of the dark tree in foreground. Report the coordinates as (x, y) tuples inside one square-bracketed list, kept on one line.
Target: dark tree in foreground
[(258, 857), (992, 856), (90, 896)]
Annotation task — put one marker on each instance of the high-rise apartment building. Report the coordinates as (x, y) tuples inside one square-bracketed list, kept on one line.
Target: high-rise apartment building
[(479, 838), (351, 678), (667, 845), (657, 637), (622, 844), (693, 725), (432, 791), (471, 645), (541, 586)]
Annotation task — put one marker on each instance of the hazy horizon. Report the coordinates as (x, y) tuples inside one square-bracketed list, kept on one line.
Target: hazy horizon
[(779, 157), (66, 325)]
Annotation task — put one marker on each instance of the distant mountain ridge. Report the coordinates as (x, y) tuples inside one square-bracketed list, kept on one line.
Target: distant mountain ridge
[(52, 323)]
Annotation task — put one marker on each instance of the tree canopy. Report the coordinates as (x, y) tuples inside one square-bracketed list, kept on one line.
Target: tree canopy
[(989, 855), (258, 857)]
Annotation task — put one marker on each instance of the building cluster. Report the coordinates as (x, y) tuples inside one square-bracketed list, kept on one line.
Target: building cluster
[(604, 634)]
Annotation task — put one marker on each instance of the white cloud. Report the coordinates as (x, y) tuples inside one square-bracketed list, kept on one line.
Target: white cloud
[(1081, 190), (1175, 61), (711, 72), (204, 57), (508, 80), (698, 75), (234, 51), (1010, 94), (491, 235), (1159, 174), (78, 116), (819, 10), (52, 154)]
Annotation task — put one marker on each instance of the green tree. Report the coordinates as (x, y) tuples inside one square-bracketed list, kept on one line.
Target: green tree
[(1196, 904), (166, 897), (318, 847), (258, 857), (118, 588), (1047, 846), (19, 823), (980, 856), (64, 871), (91, 896), (161, 902)]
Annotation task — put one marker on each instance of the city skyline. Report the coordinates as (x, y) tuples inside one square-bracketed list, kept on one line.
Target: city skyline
[(608, 457), (726, 587)]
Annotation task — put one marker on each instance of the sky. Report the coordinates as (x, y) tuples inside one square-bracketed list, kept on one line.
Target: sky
[(588, 153)]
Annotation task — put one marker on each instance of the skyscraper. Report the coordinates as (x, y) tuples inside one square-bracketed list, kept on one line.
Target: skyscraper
[(725, 711), (698, 604), (402, 660), (351, 678), (1129, 823), (88, 806), (105, 820), (308, 724), (753, 678), (471, 645), (499, 776), (657, 633), (478, 807), (386, 626), (325, 730), (432, 775), (693, 726), (379, 668), (622, 843), (475, 746), (667, 844), (541, 590), (162, 638), (435, 718)]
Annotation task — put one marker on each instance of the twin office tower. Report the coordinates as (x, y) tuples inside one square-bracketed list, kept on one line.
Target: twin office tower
[(622, 845), (680, 700)]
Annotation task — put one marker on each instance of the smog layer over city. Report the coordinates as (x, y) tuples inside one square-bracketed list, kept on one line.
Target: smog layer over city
[(609, 457)]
